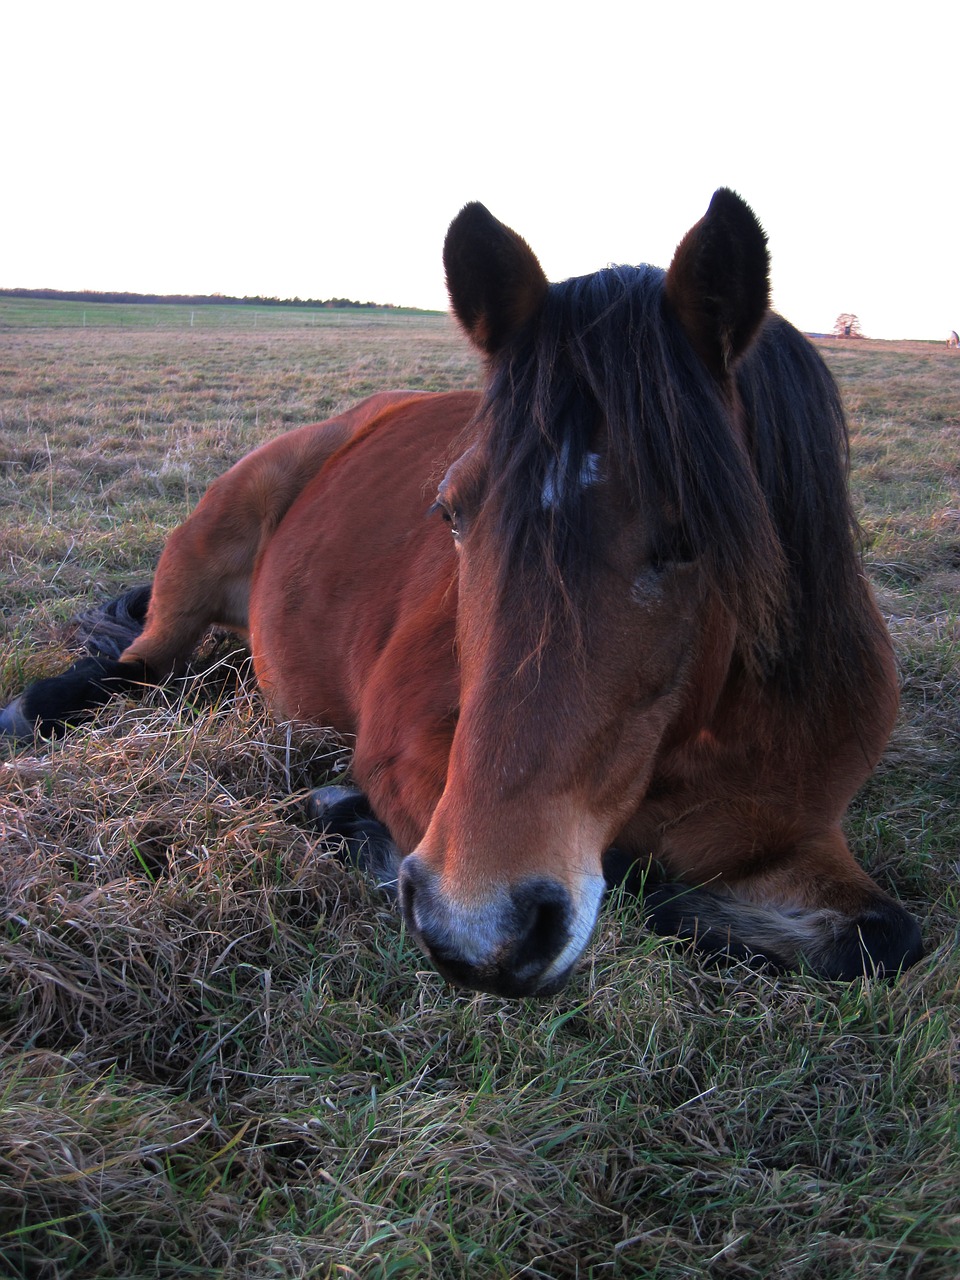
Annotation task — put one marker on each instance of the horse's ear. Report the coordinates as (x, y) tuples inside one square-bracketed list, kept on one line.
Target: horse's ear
[(494, 280), (718, 283)]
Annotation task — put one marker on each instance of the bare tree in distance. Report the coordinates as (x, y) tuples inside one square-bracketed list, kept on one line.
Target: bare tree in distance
[(847, 325)]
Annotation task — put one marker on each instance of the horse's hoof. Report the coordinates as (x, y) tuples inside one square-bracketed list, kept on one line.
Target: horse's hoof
[(328, 805), (14, 724), (367, 844)]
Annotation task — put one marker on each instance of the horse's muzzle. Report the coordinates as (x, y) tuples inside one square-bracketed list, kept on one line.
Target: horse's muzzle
[(521, 940)]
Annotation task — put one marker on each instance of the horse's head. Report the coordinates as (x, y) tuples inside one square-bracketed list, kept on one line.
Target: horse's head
[(613, 548)]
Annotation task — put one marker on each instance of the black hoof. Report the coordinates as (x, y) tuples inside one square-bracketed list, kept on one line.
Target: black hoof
[(327, 806), (880, 943), (14, 724), (346, 812), (624, 871), (46, 707)]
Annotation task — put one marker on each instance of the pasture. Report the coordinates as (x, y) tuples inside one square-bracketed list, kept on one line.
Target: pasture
[(220, 1054)]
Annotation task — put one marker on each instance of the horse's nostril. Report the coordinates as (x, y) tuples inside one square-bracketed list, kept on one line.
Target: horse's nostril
[(542, 917), (543, 938)]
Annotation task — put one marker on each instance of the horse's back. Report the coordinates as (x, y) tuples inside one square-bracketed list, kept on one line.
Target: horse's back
[(204, 574), (264, 483)]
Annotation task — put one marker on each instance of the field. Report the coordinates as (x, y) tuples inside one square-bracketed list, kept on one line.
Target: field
[(61, 313), (220, 1054)]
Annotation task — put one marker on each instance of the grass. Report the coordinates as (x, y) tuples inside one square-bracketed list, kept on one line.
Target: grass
[(56, 313), (220, 1054)]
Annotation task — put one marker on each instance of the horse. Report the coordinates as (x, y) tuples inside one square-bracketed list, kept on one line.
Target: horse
[(602, 622)]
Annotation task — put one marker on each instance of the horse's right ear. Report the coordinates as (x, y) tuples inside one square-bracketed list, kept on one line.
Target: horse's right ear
[(494, 279)]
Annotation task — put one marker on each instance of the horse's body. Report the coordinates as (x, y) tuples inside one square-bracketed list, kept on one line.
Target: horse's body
[(648, 639)]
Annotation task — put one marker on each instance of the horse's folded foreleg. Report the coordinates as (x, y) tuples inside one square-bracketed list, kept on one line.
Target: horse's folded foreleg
[(794, 915)]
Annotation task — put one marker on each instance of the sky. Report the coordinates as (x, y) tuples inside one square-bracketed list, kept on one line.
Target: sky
[(320, 149)]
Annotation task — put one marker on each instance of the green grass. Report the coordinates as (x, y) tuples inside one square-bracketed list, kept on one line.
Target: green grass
[(58, 313), (220, 1054)]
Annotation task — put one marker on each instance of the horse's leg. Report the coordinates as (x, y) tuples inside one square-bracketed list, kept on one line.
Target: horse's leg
[(200, 583), (202, 579), (106, 632), (405, 727), (204, 574), (400, 762), (403, 743), (814, 908)]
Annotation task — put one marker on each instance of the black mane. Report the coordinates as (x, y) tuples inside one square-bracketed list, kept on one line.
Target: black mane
[(830, 633), (769, 521)]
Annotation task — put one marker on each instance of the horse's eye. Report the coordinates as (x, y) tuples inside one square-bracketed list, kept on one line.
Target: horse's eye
[(448, 513)]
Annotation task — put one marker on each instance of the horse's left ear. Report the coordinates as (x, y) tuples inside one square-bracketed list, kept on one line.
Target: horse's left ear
[(494, 279), (718, 283)]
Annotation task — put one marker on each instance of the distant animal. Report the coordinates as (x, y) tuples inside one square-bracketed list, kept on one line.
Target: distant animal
[(954, 339), (604, 621)]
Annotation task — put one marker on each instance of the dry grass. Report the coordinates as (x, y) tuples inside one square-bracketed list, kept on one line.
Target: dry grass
[(221, 1056)]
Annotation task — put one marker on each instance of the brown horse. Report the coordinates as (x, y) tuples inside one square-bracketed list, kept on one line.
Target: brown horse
[(606, 616)]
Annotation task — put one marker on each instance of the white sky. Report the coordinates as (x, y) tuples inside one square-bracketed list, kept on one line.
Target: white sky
[(320, 149)]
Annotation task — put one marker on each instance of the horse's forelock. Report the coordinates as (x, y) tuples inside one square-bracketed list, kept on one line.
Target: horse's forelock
[(605, 363)]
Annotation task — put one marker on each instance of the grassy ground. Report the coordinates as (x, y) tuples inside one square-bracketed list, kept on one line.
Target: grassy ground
[(220, 1054), (59, 313)]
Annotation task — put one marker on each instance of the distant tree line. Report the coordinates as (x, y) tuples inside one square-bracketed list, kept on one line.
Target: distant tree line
[(189, 300)]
